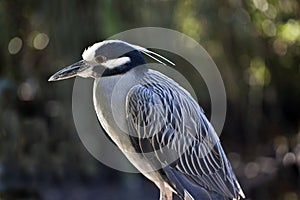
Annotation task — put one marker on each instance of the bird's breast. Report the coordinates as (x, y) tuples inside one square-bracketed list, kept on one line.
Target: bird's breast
[(110, 104), (109, 96)]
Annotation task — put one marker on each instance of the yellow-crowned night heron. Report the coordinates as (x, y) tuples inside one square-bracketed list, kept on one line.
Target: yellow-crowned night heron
[(159, 127)]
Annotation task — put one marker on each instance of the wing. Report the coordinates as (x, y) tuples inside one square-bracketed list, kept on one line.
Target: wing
[(170, 129)]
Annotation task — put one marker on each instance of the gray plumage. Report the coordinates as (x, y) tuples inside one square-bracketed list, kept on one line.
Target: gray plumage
[(166, 119), (159, 127)]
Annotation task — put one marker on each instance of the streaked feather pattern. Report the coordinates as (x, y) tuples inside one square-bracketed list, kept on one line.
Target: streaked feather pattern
[(164, 119)]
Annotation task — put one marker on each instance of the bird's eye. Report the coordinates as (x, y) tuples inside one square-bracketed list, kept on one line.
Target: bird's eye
[(100, 59)]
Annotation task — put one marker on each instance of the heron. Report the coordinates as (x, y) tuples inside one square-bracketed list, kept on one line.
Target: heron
[(156, 123)]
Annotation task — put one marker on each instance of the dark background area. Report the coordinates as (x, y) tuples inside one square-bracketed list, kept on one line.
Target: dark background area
[(255, 44)]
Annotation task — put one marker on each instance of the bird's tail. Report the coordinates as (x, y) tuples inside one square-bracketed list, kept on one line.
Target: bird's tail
[(187, 190)]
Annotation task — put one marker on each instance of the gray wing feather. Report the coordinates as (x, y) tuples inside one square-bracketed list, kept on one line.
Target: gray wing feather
[(163, 117)]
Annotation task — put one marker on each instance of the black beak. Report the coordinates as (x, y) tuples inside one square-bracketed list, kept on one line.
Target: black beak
[(69, 71)]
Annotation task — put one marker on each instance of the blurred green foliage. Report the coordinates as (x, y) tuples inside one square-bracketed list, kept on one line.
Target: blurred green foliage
[(255, 44)]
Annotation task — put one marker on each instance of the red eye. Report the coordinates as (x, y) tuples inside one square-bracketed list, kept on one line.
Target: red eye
[(100, 59)]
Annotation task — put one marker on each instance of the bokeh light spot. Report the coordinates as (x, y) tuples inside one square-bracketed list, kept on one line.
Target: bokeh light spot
[(288, 6), (40, 41), (26, 92), (280, 47), (271, 12), (281, 146), (251, 170), (269, 28), (261, 5), (186, 20), (290, 196), (289, 159), (258, 73), (280, 140), (290, 31), (15, 45), (267, 165)]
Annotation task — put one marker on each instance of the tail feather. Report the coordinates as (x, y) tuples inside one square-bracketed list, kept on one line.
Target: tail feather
[(187, 190)]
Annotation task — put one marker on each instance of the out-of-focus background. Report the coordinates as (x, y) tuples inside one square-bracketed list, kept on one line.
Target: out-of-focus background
[(255, 44)]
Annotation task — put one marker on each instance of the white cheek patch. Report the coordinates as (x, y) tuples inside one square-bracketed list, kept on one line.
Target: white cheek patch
[(116, 62), (92, 71)]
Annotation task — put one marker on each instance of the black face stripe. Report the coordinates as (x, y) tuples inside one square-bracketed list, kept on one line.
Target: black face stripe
[(136, 59)]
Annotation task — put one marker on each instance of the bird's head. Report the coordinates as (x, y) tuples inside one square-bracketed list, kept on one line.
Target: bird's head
[(107, 58)]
